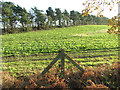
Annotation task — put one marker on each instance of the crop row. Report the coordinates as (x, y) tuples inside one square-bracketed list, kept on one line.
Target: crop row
[(23, 67), (32, 43), (54, 46)]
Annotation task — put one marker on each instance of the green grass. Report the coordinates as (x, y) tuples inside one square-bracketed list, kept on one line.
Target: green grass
[(33, 51)]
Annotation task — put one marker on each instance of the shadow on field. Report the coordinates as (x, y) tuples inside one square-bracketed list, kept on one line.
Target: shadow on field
[(84, 51), (74, 56)]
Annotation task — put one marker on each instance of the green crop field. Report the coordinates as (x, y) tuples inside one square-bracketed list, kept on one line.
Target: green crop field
[(29, 53), (71, 39)]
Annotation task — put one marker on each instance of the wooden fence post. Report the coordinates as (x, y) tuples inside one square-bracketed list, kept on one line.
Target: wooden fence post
[(74, 63), (51, 64), (61, 55), (62, 62)]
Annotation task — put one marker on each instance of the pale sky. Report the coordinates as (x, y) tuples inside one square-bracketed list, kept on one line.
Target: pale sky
[(62, 4)]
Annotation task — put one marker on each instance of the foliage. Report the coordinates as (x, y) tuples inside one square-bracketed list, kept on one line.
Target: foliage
[(17, 19), (51, 16), (66, 17), (99, 5), (11, 15), (58, 15)]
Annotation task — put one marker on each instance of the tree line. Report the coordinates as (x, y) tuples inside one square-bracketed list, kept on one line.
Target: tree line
[(17, 19)]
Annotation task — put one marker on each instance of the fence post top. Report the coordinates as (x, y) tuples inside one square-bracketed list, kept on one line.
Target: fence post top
[(62, 50)]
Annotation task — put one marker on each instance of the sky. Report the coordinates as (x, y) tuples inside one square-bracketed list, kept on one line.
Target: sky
[(62, 4)]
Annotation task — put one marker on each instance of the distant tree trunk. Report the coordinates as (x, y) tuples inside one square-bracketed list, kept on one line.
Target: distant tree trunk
[(67, 23), (38, 26), (73, 22), (55, 22), (32, 26), (4, 27), (51, 23), (23, 27), (59, 22), (11, 28)]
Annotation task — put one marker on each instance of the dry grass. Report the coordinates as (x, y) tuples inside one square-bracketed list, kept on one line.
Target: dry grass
[(102, 77)]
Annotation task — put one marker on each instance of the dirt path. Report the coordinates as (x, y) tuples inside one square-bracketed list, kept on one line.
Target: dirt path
[(91, 33)]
